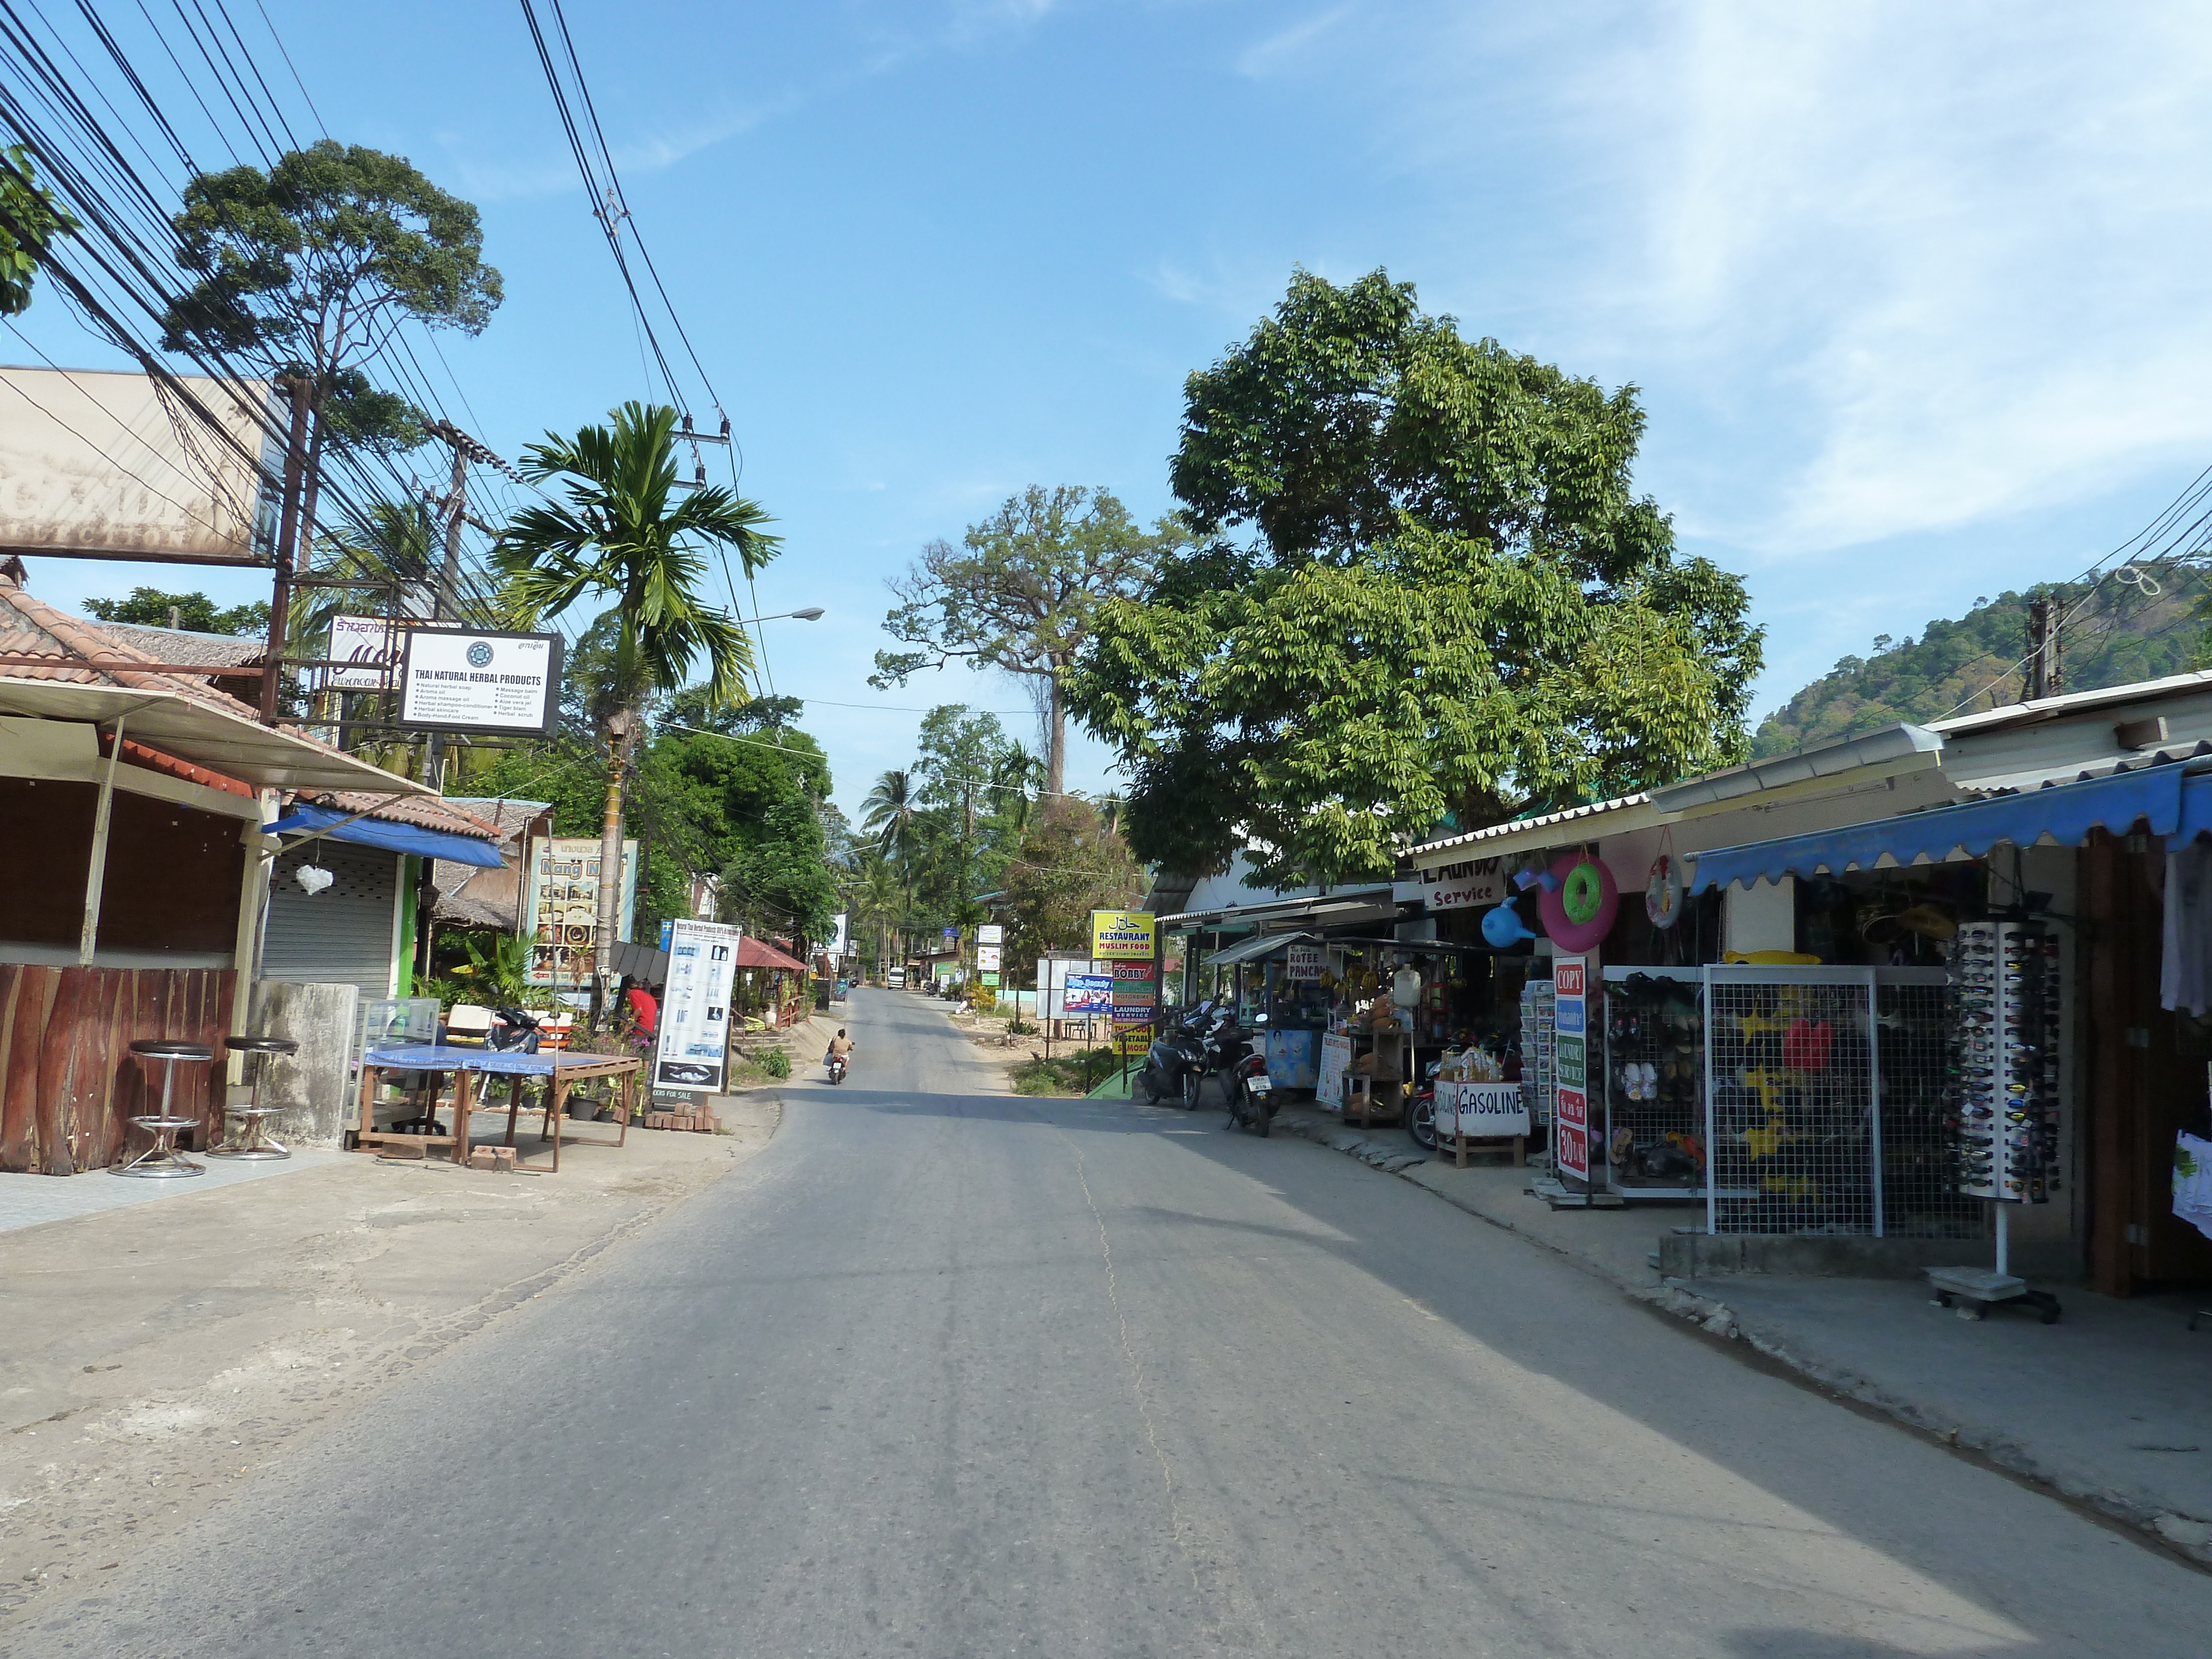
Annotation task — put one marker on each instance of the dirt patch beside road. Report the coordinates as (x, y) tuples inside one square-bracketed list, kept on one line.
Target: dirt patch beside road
[(157, 1355)]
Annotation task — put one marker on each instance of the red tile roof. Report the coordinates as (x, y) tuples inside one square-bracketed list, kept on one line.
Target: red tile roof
[(758, 953), (423, 812)]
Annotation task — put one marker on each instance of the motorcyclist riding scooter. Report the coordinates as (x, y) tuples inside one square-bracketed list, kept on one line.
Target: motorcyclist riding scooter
[(840, 1049)]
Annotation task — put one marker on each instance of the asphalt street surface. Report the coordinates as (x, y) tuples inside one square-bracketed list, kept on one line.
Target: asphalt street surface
[(947, 1372)]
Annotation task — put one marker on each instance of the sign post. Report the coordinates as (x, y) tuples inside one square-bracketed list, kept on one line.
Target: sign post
[(1571, 1114), (693, 1054)]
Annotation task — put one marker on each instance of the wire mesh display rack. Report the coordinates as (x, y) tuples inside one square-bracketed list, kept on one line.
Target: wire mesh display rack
[(1654, 1087), (1825, 1109)]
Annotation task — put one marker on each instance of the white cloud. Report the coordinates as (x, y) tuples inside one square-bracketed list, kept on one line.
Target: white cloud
[(1280, 50), (1961, 241), (1889, 267)]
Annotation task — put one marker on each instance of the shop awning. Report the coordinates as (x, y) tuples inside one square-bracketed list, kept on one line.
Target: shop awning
[(2170, 799), (198, 730), (382, 832), (1259, 946)]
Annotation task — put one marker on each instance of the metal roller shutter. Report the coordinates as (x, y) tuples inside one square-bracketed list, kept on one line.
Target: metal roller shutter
[(342, 934)]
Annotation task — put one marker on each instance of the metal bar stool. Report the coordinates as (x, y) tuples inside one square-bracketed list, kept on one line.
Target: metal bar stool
[(162, 1159), (253, 1119)]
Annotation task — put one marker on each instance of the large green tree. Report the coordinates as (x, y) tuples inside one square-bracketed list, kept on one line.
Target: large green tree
[(30, 221), (1018, 595), (311, 267), (626, 533), (1425, 592), (151, 607)]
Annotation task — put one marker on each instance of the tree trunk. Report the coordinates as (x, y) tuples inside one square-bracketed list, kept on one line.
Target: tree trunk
[(1055, 739), (611, 848)]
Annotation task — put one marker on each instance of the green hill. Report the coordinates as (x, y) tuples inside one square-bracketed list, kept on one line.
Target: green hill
[(2114, 635)]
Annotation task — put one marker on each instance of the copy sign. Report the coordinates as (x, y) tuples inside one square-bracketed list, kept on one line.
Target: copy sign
[(1571, 1114), (694, 1014)]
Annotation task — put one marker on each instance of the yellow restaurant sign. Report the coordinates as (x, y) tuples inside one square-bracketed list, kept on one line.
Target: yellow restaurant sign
[(1121, 935)]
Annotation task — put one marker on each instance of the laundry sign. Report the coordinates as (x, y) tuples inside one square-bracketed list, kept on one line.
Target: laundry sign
[(1464, 886)]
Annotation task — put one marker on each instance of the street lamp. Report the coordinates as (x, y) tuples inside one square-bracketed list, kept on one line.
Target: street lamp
[(813, 613)]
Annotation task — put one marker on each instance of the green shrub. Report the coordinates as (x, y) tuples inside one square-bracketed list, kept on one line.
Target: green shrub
[(773, 1061)]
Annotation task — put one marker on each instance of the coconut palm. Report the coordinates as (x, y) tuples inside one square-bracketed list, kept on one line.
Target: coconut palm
[(1015, 773), (891, 813), (877, 902), (626, 531)]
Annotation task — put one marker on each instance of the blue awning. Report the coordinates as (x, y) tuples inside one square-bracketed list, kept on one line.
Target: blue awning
[(2169, 800), (392, 837)]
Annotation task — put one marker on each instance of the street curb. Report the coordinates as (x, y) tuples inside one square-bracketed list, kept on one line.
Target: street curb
[(2188, 1536)]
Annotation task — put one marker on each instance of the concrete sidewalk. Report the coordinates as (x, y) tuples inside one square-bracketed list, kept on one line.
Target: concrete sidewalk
[(155, 1354), (2112, 1407)]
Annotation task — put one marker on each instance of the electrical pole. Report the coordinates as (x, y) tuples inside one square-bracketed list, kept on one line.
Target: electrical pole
[(2042, 680), (287, 530), (433, 751)]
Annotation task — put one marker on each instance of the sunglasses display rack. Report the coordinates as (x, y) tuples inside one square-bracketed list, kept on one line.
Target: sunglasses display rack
[(1539, 1054), (2004, 1061), (2004, 1095)]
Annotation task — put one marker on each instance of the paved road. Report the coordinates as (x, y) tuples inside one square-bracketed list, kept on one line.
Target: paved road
[(948, 1373)]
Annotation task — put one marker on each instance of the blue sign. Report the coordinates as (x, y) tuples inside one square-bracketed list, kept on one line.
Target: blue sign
[(1567, 1016)]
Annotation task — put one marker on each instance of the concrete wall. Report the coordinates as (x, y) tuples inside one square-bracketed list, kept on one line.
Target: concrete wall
[(310, 1085)]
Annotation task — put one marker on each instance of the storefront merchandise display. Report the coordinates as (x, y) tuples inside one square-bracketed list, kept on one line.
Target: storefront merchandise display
[(1654, 1107), (1539, 1072), (2004, 1054)]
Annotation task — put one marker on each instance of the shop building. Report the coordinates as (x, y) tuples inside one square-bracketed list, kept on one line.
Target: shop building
[(131, 805), (1817, 908)]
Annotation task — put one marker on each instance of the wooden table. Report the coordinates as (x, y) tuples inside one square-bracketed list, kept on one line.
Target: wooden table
[(561, 1068)]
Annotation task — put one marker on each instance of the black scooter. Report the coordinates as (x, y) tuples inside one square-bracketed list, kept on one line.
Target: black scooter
[(1176, 1062)]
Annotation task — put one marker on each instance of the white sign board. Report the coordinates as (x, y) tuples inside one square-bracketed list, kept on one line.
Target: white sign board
[(694, 1032), (990, 932), (1464, 886), (560, 906), (455, 681), (987, 958), (1570, 1105), (369, 648), (1481, 1109), (841, 945), (1302, 962), (95, 465)]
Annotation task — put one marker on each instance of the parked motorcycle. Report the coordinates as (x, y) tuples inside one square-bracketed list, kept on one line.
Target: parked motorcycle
[(1175, 1061), (1421, 1113), (1251, 1093), (516, 1032)]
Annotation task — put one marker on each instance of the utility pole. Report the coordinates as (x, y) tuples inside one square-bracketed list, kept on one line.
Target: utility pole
[(433, 751), (2043, 677), (287, 530)]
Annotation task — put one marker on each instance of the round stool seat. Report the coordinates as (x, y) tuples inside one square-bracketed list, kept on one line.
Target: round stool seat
[(261, 1045), (160, 1121), (167, 1048)]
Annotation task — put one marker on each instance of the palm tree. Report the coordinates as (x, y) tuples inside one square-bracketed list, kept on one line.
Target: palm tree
[(877, 902), (626, 531), (1015, 774), (889, 815)]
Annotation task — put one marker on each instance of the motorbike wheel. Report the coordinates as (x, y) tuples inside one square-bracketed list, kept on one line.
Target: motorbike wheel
[(1267, 1116), (1192, 1083), (1150, 1085), (1421, 1122)]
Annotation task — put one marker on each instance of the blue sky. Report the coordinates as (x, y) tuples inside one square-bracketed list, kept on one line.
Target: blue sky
[(1914, 294)]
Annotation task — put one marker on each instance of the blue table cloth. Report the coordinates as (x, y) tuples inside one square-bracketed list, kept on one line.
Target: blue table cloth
[(437, 1057)]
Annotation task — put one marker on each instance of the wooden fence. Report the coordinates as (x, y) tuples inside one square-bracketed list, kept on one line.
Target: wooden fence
[(69, 1083)]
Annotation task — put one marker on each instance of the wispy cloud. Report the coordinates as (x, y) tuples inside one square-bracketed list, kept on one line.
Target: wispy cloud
[(1909, 267), (1284, 48)]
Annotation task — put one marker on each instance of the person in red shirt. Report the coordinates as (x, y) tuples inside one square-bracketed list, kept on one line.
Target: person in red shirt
[(644, 1009)]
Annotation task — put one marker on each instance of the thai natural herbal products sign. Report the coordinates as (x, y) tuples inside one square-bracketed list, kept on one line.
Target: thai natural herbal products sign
[(694, 1031)]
